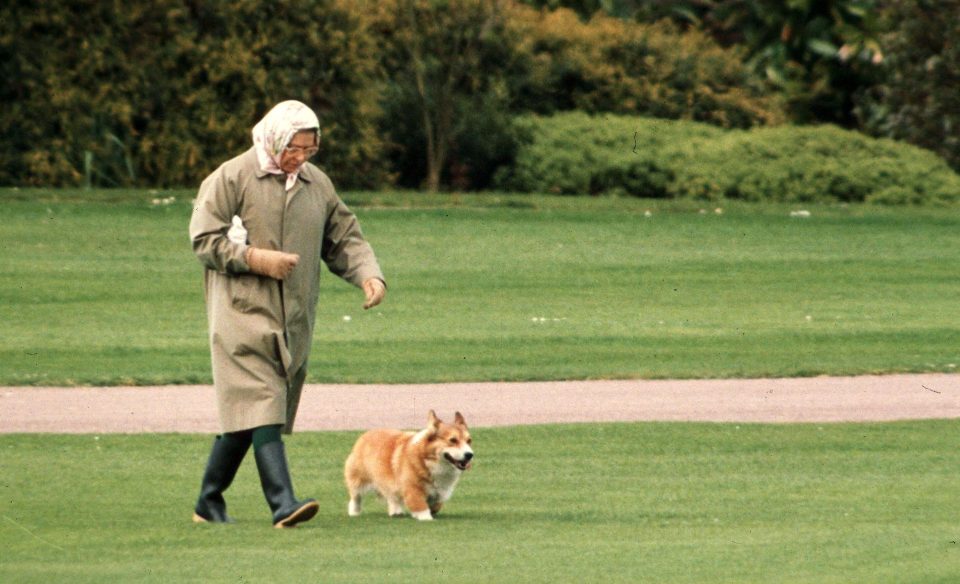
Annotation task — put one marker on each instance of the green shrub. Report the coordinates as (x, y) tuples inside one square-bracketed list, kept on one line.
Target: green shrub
[(815, 164), (575, 153), (918, 101), (614, 65), (160, 92)]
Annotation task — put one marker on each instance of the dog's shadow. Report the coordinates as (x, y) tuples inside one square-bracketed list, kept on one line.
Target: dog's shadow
[(466, 516), (445, 517)]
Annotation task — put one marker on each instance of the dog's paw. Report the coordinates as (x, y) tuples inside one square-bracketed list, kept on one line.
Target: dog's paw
[(354, 506), (422, 515)]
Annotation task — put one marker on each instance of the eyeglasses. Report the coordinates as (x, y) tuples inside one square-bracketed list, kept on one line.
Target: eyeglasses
[(309, 151)]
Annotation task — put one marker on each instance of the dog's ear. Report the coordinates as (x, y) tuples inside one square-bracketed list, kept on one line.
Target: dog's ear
[(458, 420), (433, 422)]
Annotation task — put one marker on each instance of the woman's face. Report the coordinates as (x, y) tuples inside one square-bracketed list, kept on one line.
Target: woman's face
[(302, 146)]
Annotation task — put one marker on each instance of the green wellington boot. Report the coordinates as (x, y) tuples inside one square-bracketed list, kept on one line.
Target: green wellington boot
[(278, 489), (225, 458)]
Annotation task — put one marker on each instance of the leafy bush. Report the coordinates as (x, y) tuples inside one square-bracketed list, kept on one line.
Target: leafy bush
[(612, 65), (919, 100), (576, 153), (159, 92), (458, 70), (808, 164)]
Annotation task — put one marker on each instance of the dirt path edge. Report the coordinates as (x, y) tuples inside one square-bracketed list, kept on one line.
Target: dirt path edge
[(192, 409)]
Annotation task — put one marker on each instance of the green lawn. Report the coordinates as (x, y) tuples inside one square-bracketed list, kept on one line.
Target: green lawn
[(102, 288), (678, 503)]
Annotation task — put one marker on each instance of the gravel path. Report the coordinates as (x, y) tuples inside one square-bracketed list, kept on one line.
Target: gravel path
[(191, 408)]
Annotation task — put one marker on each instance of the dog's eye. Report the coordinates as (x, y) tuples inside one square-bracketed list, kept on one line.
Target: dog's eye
[(454, 441), (469, 440)]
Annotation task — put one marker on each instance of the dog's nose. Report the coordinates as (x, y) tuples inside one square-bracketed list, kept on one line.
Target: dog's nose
[(467, 457)]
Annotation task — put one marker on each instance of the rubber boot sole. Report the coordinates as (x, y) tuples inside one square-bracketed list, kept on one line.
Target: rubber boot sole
[(304, 513), (197, 518)]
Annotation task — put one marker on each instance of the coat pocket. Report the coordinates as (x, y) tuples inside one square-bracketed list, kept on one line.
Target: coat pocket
[(283, 354), (251, 293)]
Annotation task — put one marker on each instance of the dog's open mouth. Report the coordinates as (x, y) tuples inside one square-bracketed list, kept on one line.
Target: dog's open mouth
[(461, 464)]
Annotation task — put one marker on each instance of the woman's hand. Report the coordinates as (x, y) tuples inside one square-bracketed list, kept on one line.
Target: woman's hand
[(273, 264), (374, 289)]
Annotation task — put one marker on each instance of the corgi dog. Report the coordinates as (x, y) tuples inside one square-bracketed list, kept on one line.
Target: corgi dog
[(415, 470)]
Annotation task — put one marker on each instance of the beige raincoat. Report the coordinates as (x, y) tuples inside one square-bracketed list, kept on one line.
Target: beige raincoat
[(260, 328)]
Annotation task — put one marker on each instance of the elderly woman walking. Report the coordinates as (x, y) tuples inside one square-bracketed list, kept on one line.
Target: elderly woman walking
[(262, 225)]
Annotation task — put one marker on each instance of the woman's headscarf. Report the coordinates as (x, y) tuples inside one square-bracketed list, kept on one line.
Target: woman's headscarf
[(273, 133)]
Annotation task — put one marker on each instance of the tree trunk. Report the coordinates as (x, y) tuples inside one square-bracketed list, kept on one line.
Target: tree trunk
[(435, 152)]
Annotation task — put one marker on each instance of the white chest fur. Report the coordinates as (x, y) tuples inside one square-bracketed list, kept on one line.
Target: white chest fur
[(444, 477)]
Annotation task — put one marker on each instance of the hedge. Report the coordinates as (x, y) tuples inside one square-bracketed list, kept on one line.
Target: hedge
[(617, 66), (575, 153), (159, 92)]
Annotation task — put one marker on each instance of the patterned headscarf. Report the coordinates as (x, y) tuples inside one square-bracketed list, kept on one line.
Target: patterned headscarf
[(273, 133)]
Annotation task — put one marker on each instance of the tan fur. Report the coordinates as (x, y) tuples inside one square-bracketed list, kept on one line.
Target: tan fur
[(416, 470)]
